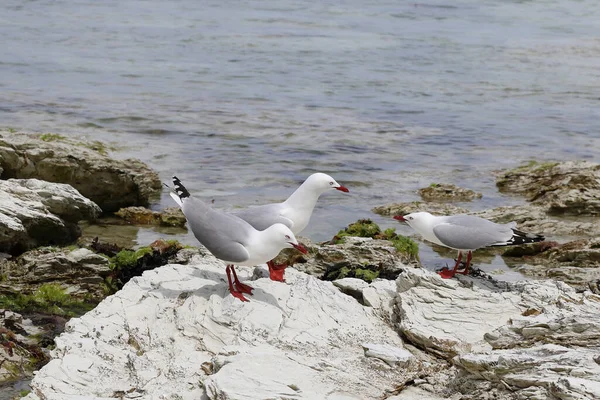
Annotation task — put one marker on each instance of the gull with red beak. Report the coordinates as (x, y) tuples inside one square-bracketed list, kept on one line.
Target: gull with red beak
[(294, 213), (231, 239), (465, 233)]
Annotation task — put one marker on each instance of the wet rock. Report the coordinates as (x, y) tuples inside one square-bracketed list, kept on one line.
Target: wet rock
[(20, 352), (414, 206), (110, 183), (35, 213), (447, 192), (356, 257), (127, 264), (80, 272), (176, 331), (533, 218), (172, 216), (571, 187), (576, 263)]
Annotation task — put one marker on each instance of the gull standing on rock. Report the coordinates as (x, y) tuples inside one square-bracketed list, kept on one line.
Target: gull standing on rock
[(465, 233), (294, 213), (231, 239)]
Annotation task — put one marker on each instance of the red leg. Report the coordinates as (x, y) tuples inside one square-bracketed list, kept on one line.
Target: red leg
[(446, 273), (466, 270), (235, 293), (276, 271), (239, 285)]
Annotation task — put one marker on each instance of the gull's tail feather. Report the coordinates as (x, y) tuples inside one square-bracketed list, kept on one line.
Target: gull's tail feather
[(520, 237), (180, 192)]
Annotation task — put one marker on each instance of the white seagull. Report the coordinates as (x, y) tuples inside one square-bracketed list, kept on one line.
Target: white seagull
[(465, 233), (231, 239), (294, 213)]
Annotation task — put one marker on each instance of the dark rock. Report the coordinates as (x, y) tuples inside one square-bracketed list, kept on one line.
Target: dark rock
[(447, 192), (576, 263), (172, 216), (571, 187)]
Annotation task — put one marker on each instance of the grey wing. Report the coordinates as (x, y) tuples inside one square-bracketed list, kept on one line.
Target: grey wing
[(262, 217), (224, 235), (467, 232)]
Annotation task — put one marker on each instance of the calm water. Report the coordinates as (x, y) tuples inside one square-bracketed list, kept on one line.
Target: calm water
[(244, 99)]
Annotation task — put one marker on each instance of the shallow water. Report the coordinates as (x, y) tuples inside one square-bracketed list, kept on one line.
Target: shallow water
[(243, 100)]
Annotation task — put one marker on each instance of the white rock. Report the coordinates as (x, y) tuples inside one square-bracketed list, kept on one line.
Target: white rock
[(381, 295), (447, 317), (34, 212), (166, 331), (390, 354), (351, 285)]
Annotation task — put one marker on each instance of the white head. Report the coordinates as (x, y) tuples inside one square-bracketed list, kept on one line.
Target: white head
[(419, 221), (283, 237), (320, 182)]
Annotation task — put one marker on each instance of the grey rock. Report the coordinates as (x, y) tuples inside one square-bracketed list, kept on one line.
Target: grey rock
[(534, 218), (571, 187), (110, 183), (576, 263), (34, 213)]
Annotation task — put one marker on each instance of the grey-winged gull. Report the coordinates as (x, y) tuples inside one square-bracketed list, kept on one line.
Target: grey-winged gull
[(465, 233), (294, 213), (231, 239)]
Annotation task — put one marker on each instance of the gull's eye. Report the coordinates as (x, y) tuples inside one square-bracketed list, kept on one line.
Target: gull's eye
[(330, 183), (410, 218), (287, 237)]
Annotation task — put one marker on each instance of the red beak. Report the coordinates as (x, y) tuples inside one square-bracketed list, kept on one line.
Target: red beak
[(399, 218), (300, 248), (342, 189)]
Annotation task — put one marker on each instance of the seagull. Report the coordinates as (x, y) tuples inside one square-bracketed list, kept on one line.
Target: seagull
[(294, 213), (465, 233), (231, 239)]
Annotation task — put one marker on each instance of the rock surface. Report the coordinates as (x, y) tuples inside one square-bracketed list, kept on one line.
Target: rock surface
[(571, 187), (375, 258), (576, 263), (521, 340), (172, 216), (20, 355), (110, 183), (447, 192), (534, 218), (414, 206), (35, 213), (176, 332), (80, 271)]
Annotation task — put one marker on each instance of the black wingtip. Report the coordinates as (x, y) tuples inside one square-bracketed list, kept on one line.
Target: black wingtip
[(180, 189), (521, 237)]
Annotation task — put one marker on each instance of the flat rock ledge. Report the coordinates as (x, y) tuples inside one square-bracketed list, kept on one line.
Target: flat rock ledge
[(110, 183), (175, 332), (36, 213)]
